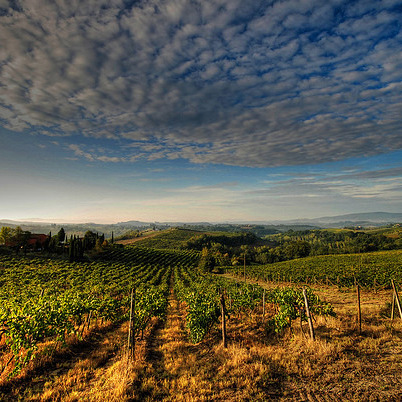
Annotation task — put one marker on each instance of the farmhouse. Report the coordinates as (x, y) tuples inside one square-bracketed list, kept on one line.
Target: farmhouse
[(34, 241), (37, 240)]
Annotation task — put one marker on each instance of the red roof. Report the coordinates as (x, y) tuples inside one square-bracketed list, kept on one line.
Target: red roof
[(37, 238)]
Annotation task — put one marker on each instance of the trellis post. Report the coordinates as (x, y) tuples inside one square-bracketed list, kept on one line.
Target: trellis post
[(310, 321)]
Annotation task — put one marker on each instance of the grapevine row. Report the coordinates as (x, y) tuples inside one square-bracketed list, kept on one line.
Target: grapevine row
[(369, 269), (48, 299)]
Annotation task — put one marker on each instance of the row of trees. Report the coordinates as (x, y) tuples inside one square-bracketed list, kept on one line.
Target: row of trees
[(59, 243), (76, 246), (288, 246)]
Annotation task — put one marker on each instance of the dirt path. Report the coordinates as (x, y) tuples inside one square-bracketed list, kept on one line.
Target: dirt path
[(168, 357)]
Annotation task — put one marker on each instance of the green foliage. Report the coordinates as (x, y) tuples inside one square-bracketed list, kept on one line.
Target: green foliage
[(5, 234), (174, 238), (203, 311), (61, 235), (290, 303), (89, 240), (75, 292), (320, 242), (207, 261), (205, 240), (201, 293), (151, 302), (145, 255)]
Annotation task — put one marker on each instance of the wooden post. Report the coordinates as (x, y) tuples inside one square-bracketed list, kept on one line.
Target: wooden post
[(263, 305), (89, 319), (131, 335), (359, 311), (223, 311), (244, 271), (398, 303), (393, 306), (310, 321)]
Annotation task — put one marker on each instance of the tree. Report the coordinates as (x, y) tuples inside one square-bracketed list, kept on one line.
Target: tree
[(19, 236), (5, 234), (76, 250), (90, 240), (297, 249), (61, 235), (207, 261)]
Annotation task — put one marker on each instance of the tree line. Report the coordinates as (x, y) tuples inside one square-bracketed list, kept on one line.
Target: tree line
[(73, 246), (235, 250)]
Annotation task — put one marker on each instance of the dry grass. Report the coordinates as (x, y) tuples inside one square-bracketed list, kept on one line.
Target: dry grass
[(341, 365), (74, 372)]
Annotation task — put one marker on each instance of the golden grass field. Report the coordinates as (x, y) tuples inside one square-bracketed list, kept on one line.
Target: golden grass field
[(340, 365)]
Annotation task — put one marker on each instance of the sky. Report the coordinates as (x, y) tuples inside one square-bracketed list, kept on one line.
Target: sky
[(212, 110)]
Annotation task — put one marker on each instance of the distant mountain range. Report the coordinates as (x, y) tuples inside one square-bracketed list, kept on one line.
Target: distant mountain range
[(357, 218), (362, 219), (338, 221), (369, 216)]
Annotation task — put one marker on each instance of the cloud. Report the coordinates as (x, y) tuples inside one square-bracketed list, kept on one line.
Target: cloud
[(348, 186), (203, 189), (94, 156), (251, 84)]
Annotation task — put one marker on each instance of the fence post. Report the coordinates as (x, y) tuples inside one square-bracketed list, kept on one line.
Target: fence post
[(263, 305), (223, 313), (398, 303), (131, 335), (310, 321), (393, 306), (244, 269), (359, 311)]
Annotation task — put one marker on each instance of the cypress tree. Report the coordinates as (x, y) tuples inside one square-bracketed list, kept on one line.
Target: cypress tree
[(71, 250)]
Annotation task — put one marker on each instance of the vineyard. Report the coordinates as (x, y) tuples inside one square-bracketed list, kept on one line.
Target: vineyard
[(193, 335), (369, 269), (43, 299), (150, 256), (169, 239)]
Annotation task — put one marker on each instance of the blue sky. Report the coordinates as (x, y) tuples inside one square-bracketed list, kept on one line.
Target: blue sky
[(219, 110)]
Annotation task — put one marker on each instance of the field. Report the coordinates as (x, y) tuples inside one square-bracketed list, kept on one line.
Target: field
[(65, 328)]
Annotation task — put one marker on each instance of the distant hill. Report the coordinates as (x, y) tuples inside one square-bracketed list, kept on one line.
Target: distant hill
[(357, 219), (362, 219), (377, 217), (365, 219)]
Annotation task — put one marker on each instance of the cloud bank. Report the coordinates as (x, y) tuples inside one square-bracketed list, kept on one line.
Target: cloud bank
[(261, 83)]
